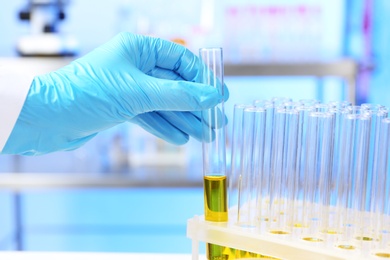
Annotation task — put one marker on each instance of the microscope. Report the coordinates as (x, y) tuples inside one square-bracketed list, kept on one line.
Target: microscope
[(45, 38)]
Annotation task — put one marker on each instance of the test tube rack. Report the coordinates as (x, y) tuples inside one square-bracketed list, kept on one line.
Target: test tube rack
[(307, 181), (274, 246)]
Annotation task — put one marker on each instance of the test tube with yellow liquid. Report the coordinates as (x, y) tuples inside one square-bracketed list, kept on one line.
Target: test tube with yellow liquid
[(214, 150)]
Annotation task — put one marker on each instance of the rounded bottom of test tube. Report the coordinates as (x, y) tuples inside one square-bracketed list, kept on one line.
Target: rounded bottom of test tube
[(365, 238), (330, 231), (383, 255), (312, 239), (299, 225), (279, 232), (347, 247)]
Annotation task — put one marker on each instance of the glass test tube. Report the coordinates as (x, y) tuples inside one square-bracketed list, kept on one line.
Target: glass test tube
[(267, 163), (363, 226), (378, 113), (214, 150), (318, 169), (303, 188), (252, 156), (383, 195), (282, 178), (372, 213), (276, 224), (337, 109), (353, 169), (236, 157)]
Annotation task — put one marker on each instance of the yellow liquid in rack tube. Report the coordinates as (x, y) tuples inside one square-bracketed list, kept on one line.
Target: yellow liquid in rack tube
[(215, 201), (215, 210), (215, 198)]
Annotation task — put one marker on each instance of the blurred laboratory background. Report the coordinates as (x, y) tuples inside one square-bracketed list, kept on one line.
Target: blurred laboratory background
[(127, 191)]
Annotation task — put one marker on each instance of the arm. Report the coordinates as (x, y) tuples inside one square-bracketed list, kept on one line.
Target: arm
[(132, 78), (14, 85)]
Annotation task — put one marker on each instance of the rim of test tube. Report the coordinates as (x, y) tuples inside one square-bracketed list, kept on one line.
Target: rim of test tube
[(287, 110), (309, 102), (358, 110), (210, 49), (254, 109), (262, 103), (305, 108), (280, 100), (373, 107), (340, 104), (358, 116), (288, 105), (321, 114), (239, 105), (322, 106), (386, 120)]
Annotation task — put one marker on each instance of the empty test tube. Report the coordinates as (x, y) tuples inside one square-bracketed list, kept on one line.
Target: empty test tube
[(268, 158), (214, 150), (317, 176), (352, 178), (337, 109), (383, 188), (302, 186), (374, 178), (378, 113), (282, 176), (252, 155), (236, 157)]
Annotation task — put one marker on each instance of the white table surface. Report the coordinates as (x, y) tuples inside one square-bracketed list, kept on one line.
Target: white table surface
[(9, 255)]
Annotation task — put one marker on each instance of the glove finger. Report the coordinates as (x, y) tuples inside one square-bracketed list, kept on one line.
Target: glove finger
[(191, 122), (207, 76), (169, 74), (166, 124), (178, 95), (175, 57), (172, 56), (157, 125), (211, 117), (164, 74), (155, 52), (187, 122)]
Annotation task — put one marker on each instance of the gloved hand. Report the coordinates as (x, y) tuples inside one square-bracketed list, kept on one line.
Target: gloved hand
[(133, 78)]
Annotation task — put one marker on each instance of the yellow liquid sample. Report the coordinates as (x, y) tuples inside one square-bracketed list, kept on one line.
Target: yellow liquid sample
[(347, 247), (312, 239), (215, 208), (215, 198), (365, 238), (215, 202), (384, 255)]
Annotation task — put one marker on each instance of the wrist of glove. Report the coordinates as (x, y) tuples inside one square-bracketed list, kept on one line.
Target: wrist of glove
[(145, 80)]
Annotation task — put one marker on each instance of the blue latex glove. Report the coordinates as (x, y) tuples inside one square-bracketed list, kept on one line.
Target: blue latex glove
[(135, 78)]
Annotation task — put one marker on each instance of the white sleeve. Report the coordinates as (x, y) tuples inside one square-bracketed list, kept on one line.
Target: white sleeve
[(15, 81), (16, 75)]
